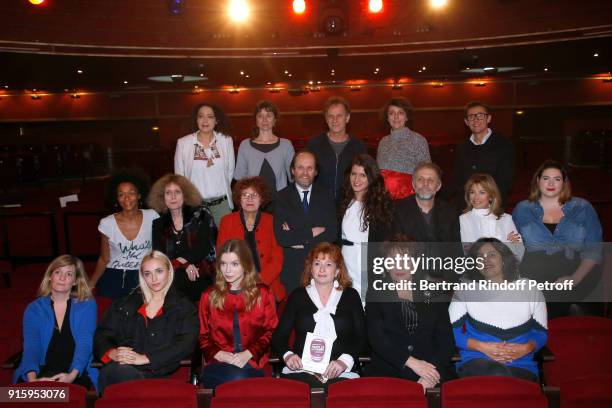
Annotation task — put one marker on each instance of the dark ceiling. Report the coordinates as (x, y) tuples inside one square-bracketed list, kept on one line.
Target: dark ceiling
[(113, 41)]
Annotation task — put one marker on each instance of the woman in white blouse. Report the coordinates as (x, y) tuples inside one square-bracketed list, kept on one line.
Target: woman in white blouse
[(366, 213), (485, 218), (206, 158)]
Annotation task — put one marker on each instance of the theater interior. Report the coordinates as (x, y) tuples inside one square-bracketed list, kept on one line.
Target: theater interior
[(88, 86)]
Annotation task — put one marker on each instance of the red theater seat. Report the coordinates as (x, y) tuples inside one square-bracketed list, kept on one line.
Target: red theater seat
[(76, 396), (376, 393), (262, 392), (487, 392), (149, 393), (580, 345), (592, 391)]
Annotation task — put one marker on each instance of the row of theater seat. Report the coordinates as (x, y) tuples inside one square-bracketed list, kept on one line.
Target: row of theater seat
[(472, 392)]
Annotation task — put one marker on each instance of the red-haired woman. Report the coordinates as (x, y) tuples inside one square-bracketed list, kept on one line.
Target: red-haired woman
[(325, 305)]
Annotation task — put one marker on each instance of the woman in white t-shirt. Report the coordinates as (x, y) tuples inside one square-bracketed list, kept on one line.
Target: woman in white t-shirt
[(126, 236), (485, 218), (206, 158)]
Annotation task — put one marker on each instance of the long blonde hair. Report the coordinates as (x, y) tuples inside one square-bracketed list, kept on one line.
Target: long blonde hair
[(80, 290), (160, 256), (249, 288)]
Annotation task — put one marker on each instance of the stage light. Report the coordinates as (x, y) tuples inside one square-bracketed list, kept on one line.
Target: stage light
[(238, 10), (299, 6), (375, 6), (36, 2), (438, 3)]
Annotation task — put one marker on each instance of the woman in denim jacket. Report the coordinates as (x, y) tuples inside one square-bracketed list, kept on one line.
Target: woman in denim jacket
[(562, 235)]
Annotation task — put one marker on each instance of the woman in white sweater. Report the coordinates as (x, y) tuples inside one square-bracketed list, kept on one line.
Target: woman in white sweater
[(206, 158), (485, 218)]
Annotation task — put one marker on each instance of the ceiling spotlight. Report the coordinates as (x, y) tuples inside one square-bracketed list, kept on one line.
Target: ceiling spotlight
[(286, 72), (201, 75), (79, 71), (355, 88), (275, 90), (423, 68), (75, 96), (396, 86), (520, 113), (36, 2), (241, 72), (269, 83), (5, 86), (596, 55), (155, 128), (545, 69), (438, 84), (125, 82), (35, 97), (299, 6), (238, 10), (438, 4), (247, 76), (489, 69), (480, 84), (234, 91), (310, 82), (375, 6), (318, 82)]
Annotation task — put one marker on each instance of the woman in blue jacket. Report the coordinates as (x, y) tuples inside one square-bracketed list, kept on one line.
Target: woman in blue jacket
[(563, 238), (58, 328)]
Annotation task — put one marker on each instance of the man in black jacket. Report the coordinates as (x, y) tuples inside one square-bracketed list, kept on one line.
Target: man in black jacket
[(426, 218), (484, 152), (304, 215), (335, 148)]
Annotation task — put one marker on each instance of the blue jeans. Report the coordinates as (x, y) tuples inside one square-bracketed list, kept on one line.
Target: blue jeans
[(218, 373)]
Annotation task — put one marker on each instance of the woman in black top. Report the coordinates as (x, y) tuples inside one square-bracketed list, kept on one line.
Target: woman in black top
[(147, 333), (185, 232), (325, 304), (410, 335)]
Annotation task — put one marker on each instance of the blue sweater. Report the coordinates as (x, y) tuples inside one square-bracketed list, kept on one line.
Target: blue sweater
[(38, 325), (492, 321)]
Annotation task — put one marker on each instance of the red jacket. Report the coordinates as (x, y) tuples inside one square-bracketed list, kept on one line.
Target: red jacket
[(256, 326), (270, 253)]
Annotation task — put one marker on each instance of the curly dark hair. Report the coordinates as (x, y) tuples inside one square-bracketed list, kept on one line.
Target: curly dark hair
[(377, 205), (223, 125), (132, 175), (510, 268), (258, 184)]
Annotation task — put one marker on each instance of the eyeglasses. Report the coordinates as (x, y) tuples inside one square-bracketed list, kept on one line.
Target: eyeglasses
[(248, 196), (476, 116)]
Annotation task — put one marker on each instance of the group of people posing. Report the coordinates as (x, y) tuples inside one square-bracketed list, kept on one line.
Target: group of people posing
[(189, 274)]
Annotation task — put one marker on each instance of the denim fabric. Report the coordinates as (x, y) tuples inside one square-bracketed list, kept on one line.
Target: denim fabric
[(578, 231)]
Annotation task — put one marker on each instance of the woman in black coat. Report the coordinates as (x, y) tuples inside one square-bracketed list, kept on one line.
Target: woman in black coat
[(410, 335), (185, 232), (147, 333)]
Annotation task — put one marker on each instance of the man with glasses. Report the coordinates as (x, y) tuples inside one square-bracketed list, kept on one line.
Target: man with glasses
[(484, 152)]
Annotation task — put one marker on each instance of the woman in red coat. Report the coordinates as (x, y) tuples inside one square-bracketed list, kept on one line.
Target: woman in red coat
[(237, 318), (257, 229)]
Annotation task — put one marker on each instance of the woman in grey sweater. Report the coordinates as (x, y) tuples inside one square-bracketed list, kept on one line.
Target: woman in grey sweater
[(265, 154), (400, 151)]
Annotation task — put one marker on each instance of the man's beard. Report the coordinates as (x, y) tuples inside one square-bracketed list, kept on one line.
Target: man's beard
[(425, 197)]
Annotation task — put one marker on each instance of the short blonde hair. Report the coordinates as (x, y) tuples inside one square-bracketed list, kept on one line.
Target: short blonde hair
[(488, 184), (80, 290), (157, 255), (191, 195)]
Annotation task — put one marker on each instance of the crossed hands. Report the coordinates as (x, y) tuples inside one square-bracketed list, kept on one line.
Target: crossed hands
[(427, 372), (237, 359), (126, 355), (504, 352)]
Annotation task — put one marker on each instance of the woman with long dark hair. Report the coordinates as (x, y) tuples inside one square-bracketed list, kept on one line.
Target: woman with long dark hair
[(365, 213)]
